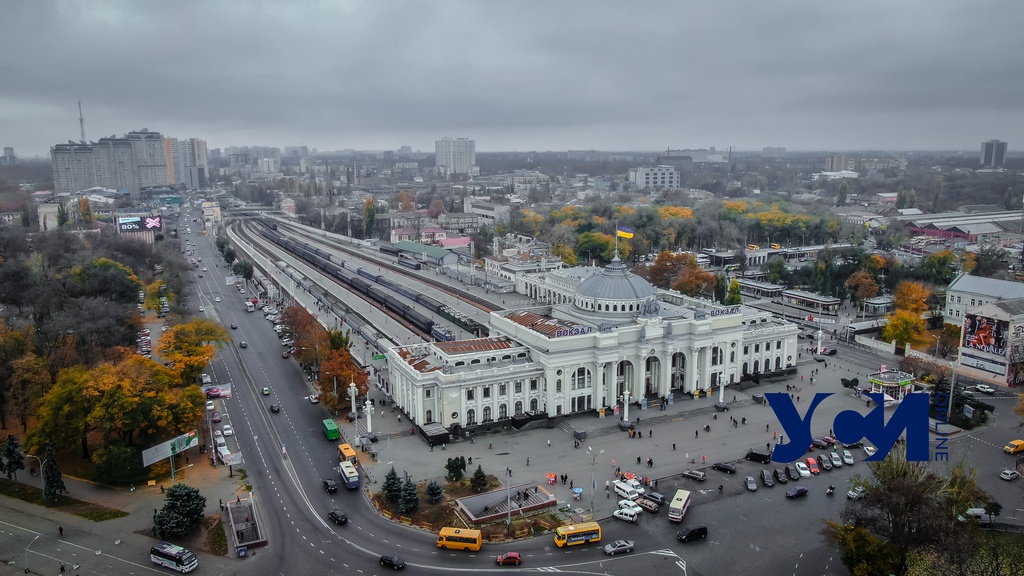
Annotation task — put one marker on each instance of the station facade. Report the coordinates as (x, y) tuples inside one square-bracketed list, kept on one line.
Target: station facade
[(597, 338)]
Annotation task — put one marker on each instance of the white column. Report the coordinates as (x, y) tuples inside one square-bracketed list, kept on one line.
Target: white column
[(665, 375), (706, 363)]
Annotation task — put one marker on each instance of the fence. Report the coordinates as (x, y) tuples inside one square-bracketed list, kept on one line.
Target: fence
[(876, 345)]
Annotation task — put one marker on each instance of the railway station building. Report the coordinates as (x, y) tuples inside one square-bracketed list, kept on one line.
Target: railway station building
[(598, 338)]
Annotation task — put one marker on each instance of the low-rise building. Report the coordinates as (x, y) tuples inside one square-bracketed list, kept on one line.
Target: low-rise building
[(966, 292)]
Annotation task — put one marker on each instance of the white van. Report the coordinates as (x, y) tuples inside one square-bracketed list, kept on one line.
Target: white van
[(206, 379), (626, 491), (636, 485)]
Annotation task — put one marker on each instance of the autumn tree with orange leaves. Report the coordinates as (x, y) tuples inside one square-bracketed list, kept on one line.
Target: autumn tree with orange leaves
[(912, 297), (337, 372), (692, 280), (863, 285)]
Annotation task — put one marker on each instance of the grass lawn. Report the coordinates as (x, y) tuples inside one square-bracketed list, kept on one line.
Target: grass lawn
[(64, 503)]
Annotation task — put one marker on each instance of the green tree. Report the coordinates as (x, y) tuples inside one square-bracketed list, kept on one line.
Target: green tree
[(844, 190), (479, 480), (242, 268), (53, 479), (392, 486), (85, 211), (434, 492), (340, 339), (62, 214), (990, 259), (190, 346), (993, 508), (455, 469), (369, 217), (12, 459), (118, 464), (410, 498), (851, 383), (734, 298), (26, 385), (229, 255), (775, 270), (721, 288), (183, 510), (860, 551), (937, 193), (1011, 200)]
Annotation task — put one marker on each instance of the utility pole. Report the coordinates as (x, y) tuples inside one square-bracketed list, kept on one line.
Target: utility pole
[(81, 120)]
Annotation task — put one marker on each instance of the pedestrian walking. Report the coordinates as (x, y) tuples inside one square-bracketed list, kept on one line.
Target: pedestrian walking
[(571, 485), (765, 427), (768, 446), (775, 435), (549, 443), (650, 433), (673, 446), (641, 433), (61, 567), (704, 459), (696, 434), (527, 460), (60, 529), (797, 398), (638, 460)]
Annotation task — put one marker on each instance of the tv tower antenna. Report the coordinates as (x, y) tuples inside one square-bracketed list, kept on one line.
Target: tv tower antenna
[(81, 120)]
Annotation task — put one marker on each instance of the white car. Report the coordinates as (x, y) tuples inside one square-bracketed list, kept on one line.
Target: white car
[(837, 462), (847, 458), (210, 406), (802, 469), (626, 504), (227, 430), (870, 451), (1009, 475), (219, 441), (204, 268), (201, 309), (626, 515), (217, 299), (314, 399), (985, 389), (217, 434)]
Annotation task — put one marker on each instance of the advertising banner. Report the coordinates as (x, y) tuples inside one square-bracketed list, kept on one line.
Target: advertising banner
[(985, 334)]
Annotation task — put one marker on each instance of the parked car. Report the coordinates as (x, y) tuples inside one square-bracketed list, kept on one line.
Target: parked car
[(392, 561), (1009, 475), (750, 483), (626, 515), (857, 444), (210, 405), (314, 398), (337, 516), (856, 493), (803, 470), (647, 505), (766, 479), (829, 440), (330, 486), (812, 466), (837, 462), (985, 389), (627, 504), (695, 475), (509, 558), (658, 498), (228, 431), (796, 492), (824, 462), (819, 443), (870, 451), (780, 476), (215, 417), (847, 458), (794, 473), (724, 467), (618, 546)]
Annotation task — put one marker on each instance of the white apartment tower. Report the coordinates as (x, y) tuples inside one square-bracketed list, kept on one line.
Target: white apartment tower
[(186, 161), (654, 177), (456, 155)]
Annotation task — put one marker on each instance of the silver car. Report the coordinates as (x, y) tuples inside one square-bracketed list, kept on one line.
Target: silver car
[(837, 462), (847, 458), (618, 546)]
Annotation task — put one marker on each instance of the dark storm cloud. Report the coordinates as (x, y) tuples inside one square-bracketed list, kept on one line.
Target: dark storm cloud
[(526, 75)]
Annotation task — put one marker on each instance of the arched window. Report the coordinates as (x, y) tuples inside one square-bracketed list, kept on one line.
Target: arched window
[(519, 407), (487, 413), (778, 362), (470, 416), (503, 411), (430, 416), (745, 367), (757, 366), (533, 405)]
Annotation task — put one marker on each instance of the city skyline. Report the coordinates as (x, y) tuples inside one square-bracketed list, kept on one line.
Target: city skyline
[(524, 76)]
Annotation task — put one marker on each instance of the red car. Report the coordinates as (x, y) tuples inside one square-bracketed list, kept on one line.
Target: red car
[(509, 558), (812, 465), (828, 440)]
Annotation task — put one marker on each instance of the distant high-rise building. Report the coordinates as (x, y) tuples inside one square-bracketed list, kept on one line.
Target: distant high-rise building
[(456, 155), (993, 153), (9, 158), (836, 163), (130, 163), (187, 162), (773, 152), (654, 177)]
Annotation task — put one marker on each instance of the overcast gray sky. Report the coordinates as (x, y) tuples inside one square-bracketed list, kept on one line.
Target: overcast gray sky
[(523, 75)]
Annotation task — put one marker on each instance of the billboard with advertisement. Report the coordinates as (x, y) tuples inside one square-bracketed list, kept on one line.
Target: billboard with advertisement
[(985, 334), (138, 223)]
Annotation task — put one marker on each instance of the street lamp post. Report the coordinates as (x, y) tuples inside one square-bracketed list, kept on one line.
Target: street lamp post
[(593, 481), (625, 406), (42, 479), (936, 344)]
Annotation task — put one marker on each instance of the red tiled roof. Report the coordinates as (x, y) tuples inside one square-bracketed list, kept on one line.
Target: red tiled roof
[(477, 345), (537, 323)]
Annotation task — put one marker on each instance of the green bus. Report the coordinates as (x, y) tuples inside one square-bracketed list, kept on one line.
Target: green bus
[(331, 430)]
